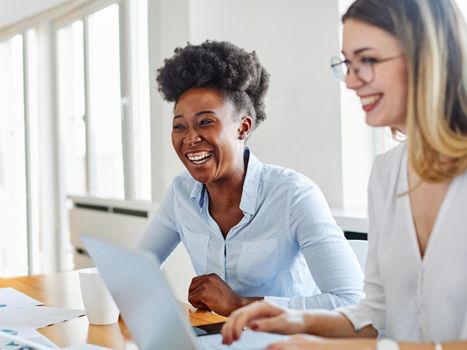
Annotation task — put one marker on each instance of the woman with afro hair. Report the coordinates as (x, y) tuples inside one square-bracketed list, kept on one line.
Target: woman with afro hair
[(252, 230)]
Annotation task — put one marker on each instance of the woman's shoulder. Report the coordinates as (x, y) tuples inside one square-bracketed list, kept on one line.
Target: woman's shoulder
[(386, 170), (394, 154), (183, 181), (389, 162), (278, 175)]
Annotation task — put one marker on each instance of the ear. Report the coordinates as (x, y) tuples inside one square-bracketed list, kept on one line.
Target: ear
[(245, 127)]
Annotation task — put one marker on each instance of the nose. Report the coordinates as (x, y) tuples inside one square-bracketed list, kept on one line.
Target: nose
[(191, 137), (352, 80)]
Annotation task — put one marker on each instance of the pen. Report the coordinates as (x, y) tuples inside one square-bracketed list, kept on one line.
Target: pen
[(24, 341)]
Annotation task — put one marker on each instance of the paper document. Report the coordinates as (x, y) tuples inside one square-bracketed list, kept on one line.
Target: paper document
[(20, 315), (35, 316), (12, 297), (30, 335), (31, 339)]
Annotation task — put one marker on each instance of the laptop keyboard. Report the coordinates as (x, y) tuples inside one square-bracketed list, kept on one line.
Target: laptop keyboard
[(249, 341), (214, 342)]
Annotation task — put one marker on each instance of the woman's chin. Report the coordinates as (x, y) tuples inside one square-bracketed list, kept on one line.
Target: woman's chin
[(199, 176), (380, 120)]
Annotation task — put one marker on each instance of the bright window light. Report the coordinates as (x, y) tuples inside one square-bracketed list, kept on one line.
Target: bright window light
[(462, 6), (13, 206), (104, 103), (33, 161), (71, 107), (140, 90)]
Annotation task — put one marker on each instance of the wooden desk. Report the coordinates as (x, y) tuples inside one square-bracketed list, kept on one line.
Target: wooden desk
[(62, 290)]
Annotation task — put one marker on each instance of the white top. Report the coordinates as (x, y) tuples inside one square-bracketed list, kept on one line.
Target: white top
[(409, 298)]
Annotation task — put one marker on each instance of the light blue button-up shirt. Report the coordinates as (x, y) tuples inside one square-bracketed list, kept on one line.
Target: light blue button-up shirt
[(286, 248)]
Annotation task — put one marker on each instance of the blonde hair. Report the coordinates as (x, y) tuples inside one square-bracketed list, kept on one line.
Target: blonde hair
[(434, 36)]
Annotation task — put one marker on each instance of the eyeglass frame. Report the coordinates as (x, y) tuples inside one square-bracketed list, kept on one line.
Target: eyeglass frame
[(349, 65)]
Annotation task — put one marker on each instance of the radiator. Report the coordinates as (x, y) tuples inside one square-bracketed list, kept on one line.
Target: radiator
[(122, 222)]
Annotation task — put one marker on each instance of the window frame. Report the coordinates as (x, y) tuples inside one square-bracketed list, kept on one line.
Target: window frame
[(83, 14)]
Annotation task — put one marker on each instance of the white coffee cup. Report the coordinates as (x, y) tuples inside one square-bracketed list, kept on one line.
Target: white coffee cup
[(99, 304)]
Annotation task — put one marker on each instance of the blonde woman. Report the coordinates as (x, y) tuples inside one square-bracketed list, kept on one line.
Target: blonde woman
[(407, 62)]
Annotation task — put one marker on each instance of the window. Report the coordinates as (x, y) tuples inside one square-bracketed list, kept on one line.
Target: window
[(71, 106), (463, 7), (90, 111), (13, 204), (32, 152), (104, 102), (105, 116), (19, 183), (140, 89)]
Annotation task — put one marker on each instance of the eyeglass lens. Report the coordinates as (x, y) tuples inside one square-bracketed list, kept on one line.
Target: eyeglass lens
[(341, 69)]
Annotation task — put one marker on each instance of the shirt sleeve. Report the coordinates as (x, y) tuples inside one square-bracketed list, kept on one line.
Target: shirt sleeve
[(161, 236), (332, 263), (371, 309)]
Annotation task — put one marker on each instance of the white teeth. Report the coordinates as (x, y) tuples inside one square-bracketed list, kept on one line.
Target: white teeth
[(199, 156), (369, 99)]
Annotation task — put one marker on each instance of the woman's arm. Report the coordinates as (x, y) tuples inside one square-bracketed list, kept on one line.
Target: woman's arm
[(304, 342), (331, 261), (263, 316), (161, 236)]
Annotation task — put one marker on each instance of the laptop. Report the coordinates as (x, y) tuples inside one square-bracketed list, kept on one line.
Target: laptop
[(148, 306)]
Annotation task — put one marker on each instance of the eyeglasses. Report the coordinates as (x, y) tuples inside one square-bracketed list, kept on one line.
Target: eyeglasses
[(362, 66)]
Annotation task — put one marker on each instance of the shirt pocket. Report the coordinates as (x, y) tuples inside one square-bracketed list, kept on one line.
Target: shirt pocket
[(258, 262), (197, 246)]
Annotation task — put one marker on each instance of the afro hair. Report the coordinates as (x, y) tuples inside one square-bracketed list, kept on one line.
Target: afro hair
[(219, 65)]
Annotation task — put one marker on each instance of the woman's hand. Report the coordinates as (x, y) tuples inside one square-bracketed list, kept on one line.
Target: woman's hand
[(262, 316), (210, 292), (302, 341)]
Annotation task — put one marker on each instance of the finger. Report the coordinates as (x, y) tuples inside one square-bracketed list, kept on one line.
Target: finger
[(204, 277), (257, 311), (196, 299), (203, 307), (211, 279), (277, 346), (201, 293), (238, 319), (272, 324), (229, 329), (197, 295), (197, 303), (282, 345), (197, 281), (291, 343)]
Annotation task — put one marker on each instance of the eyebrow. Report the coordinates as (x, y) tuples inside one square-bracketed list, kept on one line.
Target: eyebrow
[(356, 52), (197, 114)]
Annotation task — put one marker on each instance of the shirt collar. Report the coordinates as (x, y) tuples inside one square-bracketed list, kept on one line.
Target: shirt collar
[(198, 192), (250, 186)]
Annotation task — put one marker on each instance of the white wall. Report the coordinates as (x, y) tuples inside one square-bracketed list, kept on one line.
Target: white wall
[(294, 41), (168, 28), (12, 11)]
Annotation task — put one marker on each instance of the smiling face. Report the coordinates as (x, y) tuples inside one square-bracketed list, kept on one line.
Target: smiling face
[(209, 136), (384, 98)]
